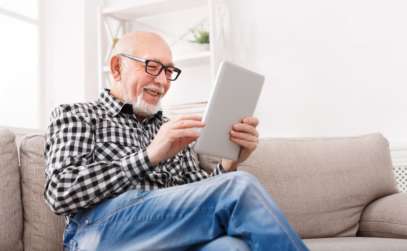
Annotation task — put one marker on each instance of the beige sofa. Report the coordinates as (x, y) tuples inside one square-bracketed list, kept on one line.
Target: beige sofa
[(338, 193)]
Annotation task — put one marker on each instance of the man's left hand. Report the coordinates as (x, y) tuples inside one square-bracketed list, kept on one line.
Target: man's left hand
[(246, 136)]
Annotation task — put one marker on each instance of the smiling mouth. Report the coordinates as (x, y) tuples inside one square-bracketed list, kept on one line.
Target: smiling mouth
[(153, 92)]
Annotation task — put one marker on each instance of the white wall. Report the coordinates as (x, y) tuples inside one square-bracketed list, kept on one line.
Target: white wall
[(69, 52), (90, 39), (332, 67), (20, 101)]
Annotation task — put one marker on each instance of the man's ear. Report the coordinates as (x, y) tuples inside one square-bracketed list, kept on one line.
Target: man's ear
[(115, 68)]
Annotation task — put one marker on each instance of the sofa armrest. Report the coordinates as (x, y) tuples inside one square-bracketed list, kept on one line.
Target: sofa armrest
[(385, 217)]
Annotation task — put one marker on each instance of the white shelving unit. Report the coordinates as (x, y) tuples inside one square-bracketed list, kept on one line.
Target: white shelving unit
[(120, 16), (128, 10), (194, 59)]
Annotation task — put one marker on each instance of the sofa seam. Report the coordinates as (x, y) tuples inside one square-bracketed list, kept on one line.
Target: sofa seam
[(393, 223), (380, 232)]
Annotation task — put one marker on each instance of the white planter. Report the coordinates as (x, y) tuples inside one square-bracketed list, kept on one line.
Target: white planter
[(200, 47)]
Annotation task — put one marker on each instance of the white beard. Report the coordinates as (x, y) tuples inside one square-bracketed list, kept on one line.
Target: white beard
[(141, 107)]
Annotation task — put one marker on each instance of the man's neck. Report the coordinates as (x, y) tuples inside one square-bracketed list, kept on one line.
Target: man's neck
[(115, 92), (139, 117)]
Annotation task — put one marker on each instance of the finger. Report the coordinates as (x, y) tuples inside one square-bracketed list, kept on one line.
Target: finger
[(240, 127), (183, 124), (188, 117), (251, 121), (243, 136), (185, 133), (187, 141), (244, 144)]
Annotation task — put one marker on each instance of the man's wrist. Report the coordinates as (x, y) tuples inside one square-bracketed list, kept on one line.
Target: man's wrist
[(154, 161)]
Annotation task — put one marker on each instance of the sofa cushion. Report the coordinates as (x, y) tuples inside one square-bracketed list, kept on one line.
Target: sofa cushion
[(11, 218), (356, 244), (386, 217), (42, 229), (323, 184)]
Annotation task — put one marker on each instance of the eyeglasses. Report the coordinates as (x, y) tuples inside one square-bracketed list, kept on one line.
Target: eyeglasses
[(154, 67)]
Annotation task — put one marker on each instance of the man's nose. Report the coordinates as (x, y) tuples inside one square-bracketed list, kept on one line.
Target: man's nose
[(161, 78)]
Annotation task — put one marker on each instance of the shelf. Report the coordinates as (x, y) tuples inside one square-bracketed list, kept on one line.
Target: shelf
[(128, 10), (193, 59), (188, 105), (185, 109)]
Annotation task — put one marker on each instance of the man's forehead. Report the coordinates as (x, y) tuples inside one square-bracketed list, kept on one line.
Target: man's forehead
[(152, 47), (164, 59), (164, 62)]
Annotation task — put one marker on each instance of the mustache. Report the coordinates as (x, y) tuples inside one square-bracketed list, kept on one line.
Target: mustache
[(154, 87)]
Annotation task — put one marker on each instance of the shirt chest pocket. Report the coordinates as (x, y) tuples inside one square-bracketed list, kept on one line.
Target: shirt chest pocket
[(115, 143)]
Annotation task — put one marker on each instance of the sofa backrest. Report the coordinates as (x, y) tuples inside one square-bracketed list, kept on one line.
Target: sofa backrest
[(43, 230), (11, 225), (25, 221), (323, 184)]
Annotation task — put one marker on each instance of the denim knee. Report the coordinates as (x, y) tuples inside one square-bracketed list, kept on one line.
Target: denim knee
[(244, 175), (244, 178), (226, 243)]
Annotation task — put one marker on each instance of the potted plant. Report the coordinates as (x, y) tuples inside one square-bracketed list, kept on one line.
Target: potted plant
[(200, 38)]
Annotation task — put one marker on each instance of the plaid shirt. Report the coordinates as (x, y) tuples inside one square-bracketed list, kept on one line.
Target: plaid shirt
[(97, 150)]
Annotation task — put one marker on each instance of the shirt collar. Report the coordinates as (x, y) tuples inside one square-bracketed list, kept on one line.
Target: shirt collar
[(116, 106)]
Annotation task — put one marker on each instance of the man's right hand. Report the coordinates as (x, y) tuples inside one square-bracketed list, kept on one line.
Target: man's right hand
[(174, 136)]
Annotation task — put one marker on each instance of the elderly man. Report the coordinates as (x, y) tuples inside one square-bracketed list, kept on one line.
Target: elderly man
[(126, 177)]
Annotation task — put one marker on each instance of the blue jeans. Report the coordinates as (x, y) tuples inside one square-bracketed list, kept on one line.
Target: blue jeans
[(231, 211)]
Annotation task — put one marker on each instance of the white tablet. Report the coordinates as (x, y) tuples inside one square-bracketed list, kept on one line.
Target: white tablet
[(234, 97)]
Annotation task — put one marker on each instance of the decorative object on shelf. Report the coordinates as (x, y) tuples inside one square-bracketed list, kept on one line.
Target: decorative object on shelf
[(192, 108), (200, 38)]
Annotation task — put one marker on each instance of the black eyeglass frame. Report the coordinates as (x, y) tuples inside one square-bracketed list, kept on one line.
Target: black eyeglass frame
[(146, 62)]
